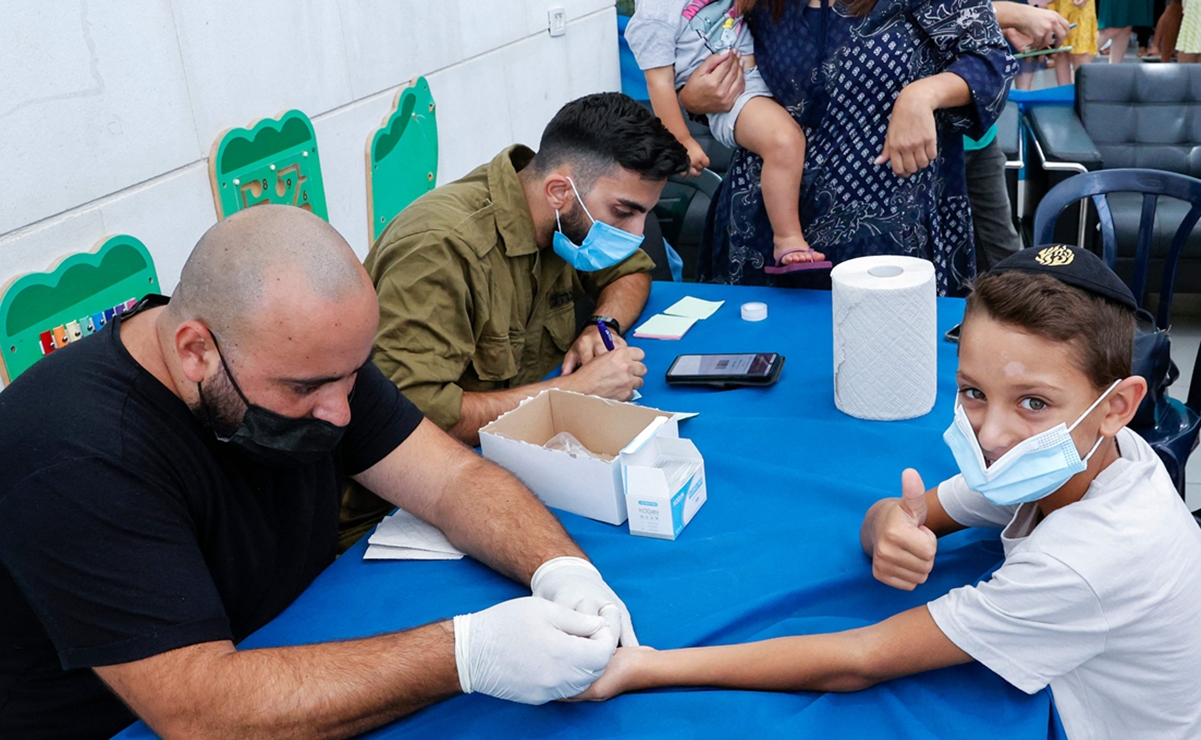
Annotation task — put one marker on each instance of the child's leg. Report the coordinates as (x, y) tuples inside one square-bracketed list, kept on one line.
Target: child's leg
[(1121, 41), (770, 131), (1063, 68)]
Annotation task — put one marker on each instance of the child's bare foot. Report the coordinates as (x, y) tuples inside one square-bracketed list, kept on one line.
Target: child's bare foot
[(790, 250)]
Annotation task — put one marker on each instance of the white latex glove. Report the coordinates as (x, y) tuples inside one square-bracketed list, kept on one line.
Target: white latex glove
[(530, 650), (577, 584)]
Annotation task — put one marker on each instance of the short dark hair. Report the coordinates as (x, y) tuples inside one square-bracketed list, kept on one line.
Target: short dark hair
[(1098, 331), (597, 132)]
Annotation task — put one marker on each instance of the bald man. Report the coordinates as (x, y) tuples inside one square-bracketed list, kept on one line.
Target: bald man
[(170, 484)]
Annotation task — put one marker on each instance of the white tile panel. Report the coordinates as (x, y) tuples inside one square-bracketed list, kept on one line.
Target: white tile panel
[(249, 60), (543, 73), (537, 11), (92, 100), (592, 54), (473, 113), (539, 83), (390, 42), (485, 26)]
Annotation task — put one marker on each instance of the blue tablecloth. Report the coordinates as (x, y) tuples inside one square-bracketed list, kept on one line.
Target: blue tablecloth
[(773, 552)]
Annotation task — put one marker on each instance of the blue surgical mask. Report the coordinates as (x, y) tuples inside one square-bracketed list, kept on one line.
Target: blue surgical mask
[(1035, 468), (604, 246)]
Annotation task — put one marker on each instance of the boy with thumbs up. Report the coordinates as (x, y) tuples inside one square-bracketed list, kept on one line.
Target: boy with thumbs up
[(1100, 590)]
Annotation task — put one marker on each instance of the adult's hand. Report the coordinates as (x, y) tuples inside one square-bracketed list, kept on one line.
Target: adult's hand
[(912, 139), (531, 650), (587, 346), (615, 374), (903, 547), (576, 584), (1044, 28), (715, 85), (1020, 41)]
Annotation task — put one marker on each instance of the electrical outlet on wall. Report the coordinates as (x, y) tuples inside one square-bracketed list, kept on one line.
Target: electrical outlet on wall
[(558, 21)]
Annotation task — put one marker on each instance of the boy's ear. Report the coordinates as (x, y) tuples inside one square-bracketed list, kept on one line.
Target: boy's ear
[(1123, 403)]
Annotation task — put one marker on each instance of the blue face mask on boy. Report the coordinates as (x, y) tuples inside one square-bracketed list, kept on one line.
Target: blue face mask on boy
[(1035, 468), (604, 246)]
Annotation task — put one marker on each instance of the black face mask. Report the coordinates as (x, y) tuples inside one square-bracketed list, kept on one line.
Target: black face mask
[(269, 437)]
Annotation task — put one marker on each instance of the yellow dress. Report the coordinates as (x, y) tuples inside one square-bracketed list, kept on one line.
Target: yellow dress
[(1082, 38)]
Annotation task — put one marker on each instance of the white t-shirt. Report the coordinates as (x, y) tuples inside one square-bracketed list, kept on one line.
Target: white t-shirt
[(1102, 601)]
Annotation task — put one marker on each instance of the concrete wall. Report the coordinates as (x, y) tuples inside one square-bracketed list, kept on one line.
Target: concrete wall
[(109, 108)]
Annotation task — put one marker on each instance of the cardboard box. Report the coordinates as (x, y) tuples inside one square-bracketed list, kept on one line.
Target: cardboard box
[(631, 437)]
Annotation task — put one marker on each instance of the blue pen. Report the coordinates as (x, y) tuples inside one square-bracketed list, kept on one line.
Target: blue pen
[(606, 337)]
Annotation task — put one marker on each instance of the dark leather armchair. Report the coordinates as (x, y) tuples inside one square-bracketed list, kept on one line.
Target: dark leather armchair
[(1126, 115)]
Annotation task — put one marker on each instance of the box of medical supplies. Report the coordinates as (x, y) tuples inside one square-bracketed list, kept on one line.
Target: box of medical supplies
[(590, 456), (664, 482)]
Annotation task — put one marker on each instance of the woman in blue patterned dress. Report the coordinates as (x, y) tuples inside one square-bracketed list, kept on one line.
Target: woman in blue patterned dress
[(885, 91)]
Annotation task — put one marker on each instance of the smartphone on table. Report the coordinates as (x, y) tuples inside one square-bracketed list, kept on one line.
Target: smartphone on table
[(726, 371)]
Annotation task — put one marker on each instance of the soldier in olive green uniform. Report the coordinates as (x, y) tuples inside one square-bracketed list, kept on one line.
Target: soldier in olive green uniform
[(477, 280)]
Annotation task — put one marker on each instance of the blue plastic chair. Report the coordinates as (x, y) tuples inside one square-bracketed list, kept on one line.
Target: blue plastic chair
[(1175, 433), (1152, 184)]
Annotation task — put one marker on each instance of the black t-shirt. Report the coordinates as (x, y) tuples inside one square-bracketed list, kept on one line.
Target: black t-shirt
[(127, 529)]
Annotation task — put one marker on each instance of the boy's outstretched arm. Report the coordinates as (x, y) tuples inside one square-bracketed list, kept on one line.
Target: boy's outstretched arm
[(661, 86), (907, 643), (901, 534)]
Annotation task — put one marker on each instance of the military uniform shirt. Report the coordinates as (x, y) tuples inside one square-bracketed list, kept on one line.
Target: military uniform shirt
[(468, 301)]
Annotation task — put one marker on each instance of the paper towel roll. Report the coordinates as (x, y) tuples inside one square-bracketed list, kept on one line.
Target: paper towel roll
[(885, 337)]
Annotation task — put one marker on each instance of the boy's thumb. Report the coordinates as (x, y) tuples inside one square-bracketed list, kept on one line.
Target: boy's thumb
[(913, 496)]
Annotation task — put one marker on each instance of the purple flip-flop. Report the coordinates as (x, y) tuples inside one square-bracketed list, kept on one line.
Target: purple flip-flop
[(797, 266)]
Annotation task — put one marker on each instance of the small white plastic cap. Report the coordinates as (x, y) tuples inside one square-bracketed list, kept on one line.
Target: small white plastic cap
[(754, 311)]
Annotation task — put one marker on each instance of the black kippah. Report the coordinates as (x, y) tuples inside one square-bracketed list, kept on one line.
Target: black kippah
[(1071, 265)]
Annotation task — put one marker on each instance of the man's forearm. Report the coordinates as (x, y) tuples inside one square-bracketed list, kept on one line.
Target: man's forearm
[(328, 690), (508, 528), (481, 508), (478, 409), (624, 298)]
